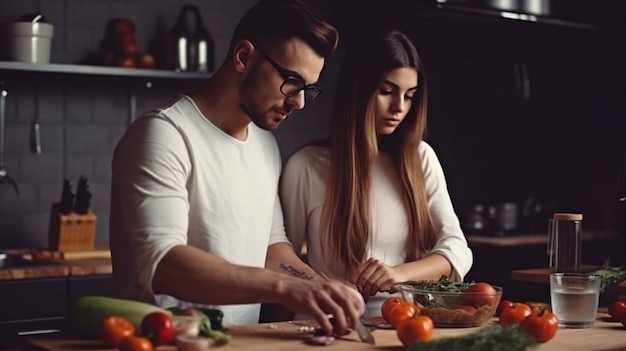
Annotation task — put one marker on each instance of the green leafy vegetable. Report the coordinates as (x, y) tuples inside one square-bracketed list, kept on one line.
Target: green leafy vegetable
[(219, 336), (442, 285), (433, 293), (492, 338), (609, 275)]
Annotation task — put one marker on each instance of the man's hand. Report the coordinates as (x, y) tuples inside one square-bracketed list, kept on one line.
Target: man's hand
[(324, 297)]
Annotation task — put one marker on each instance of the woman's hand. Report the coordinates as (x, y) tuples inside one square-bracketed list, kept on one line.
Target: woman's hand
[(374, 276)]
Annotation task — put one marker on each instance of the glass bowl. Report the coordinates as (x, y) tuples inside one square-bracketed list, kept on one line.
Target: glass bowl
[(453, 308)]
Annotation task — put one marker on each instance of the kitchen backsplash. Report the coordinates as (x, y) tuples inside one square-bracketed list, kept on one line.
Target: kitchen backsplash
[(81, 120)]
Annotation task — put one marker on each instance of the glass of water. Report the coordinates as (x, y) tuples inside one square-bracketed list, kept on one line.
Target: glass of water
[(574, 298)]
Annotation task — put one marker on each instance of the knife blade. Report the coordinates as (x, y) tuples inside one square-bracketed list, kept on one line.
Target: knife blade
[(364, 333)]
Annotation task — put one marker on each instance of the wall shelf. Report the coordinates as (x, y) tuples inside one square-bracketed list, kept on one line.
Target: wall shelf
[(139, 78), (90, 70)]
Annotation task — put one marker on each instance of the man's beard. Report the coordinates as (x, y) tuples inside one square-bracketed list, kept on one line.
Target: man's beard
[(250, 107)]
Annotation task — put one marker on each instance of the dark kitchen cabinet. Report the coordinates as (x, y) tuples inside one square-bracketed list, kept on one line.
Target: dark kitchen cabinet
[(34, 306), (31, 304), (517, 115), (31, 299)]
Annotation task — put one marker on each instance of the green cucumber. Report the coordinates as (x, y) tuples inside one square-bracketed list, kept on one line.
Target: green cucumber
[(87, 312)]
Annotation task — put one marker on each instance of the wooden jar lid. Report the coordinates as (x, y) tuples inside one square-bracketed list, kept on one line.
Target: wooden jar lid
[(568, 216)]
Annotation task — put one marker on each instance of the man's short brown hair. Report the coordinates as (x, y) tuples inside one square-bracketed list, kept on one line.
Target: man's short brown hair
[(275, 20)]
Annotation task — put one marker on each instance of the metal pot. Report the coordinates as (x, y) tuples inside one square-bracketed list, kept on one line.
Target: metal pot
[(191, 50)]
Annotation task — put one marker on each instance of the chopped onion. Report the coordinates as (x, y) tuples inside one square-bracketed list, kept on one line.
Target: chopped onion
[(321, 340), (187, 327), (193, 343)]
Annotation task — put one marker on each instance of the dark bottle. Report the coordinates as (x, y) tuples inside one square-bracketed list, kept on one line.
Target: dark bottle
[(191, 50)]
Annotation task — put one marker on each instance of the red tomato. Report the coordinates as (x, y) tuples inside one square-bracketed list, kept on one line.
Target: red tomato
[(390, 303), (415, 329), (189, 311), (541, 326), (135, 343), (502, 305), (401, 312), (481, 294), (115, 328), (158, 327), (617, 310), (515, 314)]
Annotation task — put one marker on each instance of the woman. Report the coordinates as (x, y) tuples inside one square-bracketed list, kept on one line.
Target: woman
[(372, 203)]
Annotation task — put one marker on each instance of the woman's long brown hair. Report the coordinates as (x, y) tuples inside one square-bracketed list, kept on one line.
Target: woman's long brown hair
[(354, 143)]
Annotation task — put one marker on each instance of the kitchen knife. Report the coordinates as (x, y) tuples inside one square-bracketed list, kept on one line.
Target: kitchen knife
[(364, 333)]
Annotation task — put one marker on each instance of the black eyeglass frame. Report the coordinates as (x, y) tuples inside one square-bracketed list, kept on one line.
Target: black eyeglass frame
[(311, 91)]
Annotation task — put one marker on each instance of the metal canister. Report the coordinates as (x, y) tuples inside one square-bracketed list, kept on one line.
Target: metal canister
[(191, 50)]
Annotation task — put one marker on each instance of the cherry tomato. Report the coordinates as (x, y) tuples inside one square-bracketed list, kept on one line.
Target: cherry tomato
[(419, 328), (515, 314), (401, 312), (115, 328), (135, 343), (390, 303), (158, 327), (481, 294), (542, 326), (503, 304), (617, 310)]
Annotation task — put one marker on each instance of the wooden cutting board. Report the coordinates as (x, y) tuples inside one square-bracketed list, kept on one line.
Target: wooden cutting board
[(288, 336)]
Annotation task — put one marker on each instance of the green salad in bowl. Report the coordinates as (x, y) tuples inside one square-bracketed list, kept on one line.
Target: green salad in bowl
[(453, 304)]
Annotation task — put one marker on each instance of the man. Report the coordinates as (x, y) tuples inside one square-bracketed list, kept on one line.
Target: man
[(195, 214)]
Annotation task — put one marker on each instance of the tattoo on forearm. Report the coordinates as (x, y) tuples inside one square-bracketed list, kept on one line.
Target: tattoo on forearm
[(294, 272)]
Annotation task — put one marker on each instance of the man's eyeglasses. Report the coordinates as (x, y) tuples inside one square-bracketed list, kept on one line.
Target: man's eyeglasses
[(292, 85)]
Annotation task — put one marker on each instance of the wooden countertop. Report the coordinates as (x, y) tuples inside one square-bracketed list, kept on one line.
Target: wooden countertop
[(55, 267), (288, 336), (533, 239), (542, 276)]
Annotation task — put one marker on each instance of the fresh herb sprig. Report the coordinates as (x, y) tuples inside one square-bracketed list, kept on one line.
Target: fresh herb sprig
[(492, 338), (610, 275)]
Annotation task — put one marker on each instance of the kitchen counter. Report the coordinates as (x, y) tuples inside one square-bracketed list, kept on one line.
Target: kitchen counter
[(542, 276), (287, 336), (51, 268), (534, 239)]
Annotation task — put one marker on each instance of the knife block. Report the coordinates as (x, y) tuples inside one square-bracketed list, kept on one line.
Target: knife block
[(71, 231)]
